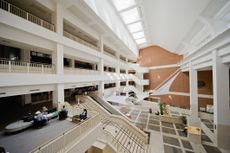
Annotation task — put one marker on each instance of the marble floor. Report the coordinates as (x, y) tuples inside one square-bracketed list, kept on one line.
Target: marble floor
[(172, 136)]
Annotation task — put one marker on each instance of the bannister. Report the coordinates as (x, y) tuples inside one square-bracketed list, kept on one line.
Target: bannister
[(121, 121), (135, 139), (68, 70), (138, 80), (169, 77), (25, 67), (77, 39), (115, 143), (23, 14), (69, 138)]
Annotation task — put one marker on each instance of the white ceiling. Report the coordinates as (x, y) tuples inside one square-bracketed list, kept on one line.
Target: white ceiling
[(173, 24), (179, 26), (168, 21)]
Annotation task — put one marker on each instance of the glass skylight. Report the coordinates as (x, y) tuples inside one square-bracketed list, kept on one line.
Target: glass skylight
[(141, 41), (123, 4), (139, 35), (135, 27), (130, 15)]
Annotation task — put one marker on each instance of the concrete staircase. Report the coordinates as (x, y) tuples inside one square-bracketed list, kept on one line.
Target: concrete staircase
[(122, 139), (120, 135)]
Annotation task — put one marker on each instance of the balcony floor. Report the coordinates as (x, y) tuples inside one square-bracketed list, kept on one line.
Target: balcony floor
[(31, 138)]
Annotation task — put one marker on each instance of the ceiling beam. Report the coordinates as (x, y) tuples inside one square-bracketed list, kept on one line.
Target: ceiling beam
[(215, 26), (131, 7), (140, 20)]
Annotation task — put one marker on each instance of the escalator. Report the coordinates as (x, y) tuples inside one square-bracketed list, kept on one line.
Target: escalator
[(107, 106)]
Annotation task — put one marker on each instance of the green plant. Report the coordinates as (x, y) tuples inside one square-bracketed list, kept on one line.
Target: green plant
[(184, 119), (161, 106)]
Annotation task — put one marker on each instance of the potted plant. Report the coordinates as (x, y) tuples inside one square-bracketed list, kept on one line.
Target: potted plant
[(161, 108), (184, 119)]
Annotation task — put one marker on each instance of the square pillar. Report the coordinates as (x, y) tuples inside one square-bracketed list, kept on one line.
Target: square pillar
[(118, 74), (72, 63), (25, 55), (100, 44), (221, 101), (57, 59), (101, 84), (58, 94), (59, 18), (193, 92)]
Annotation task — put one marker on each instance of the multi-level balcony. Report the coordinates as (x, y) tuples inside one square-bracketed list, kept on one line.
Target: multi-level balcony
[(4, 5), (79, 40), (68, 70), (9, 66)]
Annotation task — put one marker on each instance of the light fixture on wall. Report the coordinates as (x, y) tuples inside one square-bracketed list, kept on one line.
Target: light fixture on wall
[(170, 97)]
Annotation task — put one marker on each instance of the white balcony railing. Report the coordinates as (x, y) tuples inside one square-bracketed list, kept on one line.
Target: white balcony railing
[(80, 71), (81, 41), (25, 67), (69, 138), (23, 14)]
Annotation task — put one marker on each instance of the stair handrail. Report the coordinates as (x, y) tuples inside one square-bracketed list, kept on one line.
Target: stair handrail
[(124, 121), (130, 137), (92, 121), (116, 141), (121, 120), (136, 79), (169, 77)]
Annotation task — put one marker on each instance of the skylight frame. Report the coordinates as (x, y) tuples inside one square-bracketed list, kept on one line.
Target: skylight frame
[(135, 27), (138, 35), (134, 24), (123, 4), (141, 41), (131, 15)]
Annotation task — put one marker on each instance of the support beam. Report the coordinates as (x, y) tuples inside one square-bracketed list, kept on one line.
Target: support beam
[(221, 101), (58, 94), (59, 18), (118, 73), (193, 92), (215, 26), (57, 58)]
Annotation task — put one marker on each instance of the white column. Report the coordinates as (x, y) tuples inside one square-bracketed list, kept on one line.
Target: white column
[(118, 74), (221, 101), (28, 99), (59, 18), (101, 66), (58, 94), (57, 58), (193, 92), (100, 44), (25, 55), (72, 63), (127, 72)]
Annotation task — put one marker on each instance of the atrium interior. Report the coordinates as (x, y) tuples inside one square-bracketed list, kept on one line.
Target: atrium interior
[(114, 76)]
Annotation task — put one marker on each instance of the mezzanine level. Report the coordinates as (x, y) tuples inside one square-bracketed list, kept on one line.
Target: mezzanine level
[(9, 66), (26, 15), (81, 41)]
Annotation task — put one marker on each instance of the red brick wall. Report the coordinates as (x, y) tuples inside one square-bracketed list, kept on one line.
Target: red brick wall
[(157, 56)]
